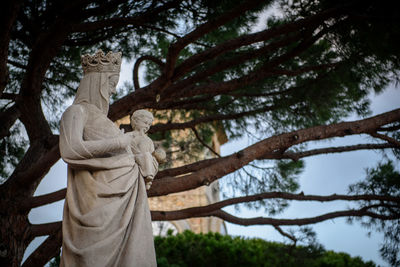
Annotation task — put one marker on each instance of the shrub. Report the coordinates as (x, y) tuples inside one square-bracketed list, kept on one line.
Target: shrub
[(213, 249)]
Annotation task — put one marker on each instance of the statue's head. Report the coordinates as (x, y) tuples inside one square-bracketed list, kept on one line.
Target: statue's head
[(141, 119), (101, 75)]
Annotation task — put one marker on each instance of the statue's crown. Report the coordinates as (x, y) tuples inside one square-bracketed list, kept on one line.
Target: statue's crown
[(99, 62)]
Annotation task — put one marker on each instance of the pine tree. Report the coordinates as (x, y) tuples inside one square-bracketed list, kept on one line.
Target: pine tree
[(292, 81)]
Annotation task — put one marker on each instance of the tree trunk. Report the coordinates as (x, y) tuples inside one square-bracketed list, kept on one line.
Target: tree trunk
[(14, 231)]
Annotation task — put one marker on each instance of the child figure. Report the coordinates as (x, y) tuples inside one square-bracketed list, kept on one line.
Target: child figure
[(143, 147)]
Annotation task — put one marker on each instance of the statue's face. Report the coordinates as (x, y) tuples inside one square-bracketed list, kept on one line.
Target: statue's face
[(112, 83), (143, 123)]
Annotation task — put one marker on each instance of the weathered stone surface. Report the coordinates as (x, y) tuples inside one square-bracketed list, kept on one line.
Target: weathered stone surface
[(106, 219)]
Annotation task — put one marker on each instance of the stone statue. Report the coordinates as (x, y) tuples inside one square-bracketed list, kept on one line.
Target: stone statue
[(142, 146), (106, 220)]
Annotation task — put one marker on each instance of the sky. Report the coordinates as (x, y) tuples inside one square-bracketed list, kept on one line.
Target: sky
[(323, 174)]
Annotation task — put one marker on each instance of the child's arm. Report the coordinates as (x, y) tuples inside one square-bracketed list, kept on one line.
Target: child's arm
[(148, 164)]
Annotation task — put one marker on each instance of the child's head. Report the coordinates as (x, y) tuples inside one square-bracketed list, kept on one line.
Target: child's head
[(141, 119)]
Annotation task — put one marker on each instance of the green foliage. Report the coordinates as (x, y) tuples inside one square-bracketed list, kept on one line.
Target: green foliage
[(55, 262), (383, 180), (12, 149), (213, 249), (262, 176)]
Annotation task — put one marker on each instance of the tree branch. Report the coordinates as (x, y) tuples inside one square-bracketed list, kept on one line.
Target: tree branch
[(46, 251), (189, 103), (137, 64), (9, 96), (268, 34), (201, 30), (204, 143), (386, 138), (304, 221), (117, 22), (142, 98), (171, 33), (36, 162), (38, 201), (276, 143), (291, 237), (211, 118), (327, 150), (281, 195), (45, 228), (16, 64), (228, 86), (187, 168), (8, 15), (177, 215), (389, 129), (7, 119), (224, 64)]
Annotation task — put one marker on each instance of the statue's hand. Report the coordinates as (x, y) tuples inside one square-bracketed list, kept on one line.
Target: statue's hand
[(148, 185), (149, 181), (160, 155)]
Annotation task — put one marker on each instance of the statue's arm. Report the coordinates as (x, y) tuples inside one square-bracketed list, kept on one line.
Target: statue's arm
[(146, 161), (72, 145)]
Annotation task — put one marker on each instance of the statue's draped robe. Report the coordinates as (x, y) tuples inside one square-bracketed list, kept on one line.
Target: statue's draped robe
[(106, 220)]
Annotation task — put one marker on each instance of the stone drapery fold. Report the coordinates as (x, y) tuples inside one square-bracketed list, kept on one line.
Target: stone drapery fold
[(106, 220)]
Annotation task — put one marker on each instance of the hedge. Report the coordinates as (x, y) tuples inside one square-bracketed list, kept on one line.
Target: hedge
[(191, 250), (213, 249)]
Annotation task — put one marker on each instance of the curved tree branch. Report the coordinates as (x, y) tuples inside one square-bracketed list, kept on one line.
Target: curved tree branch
[(46, 251), (201, 30), (36, 162), (386, 138), (7, 119), (285, 234), (204, 143), (136, 68)]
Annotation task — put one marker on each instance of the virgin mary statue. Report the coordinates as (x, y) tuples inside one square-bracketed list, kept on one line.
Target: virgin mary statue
[(106, 220)]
